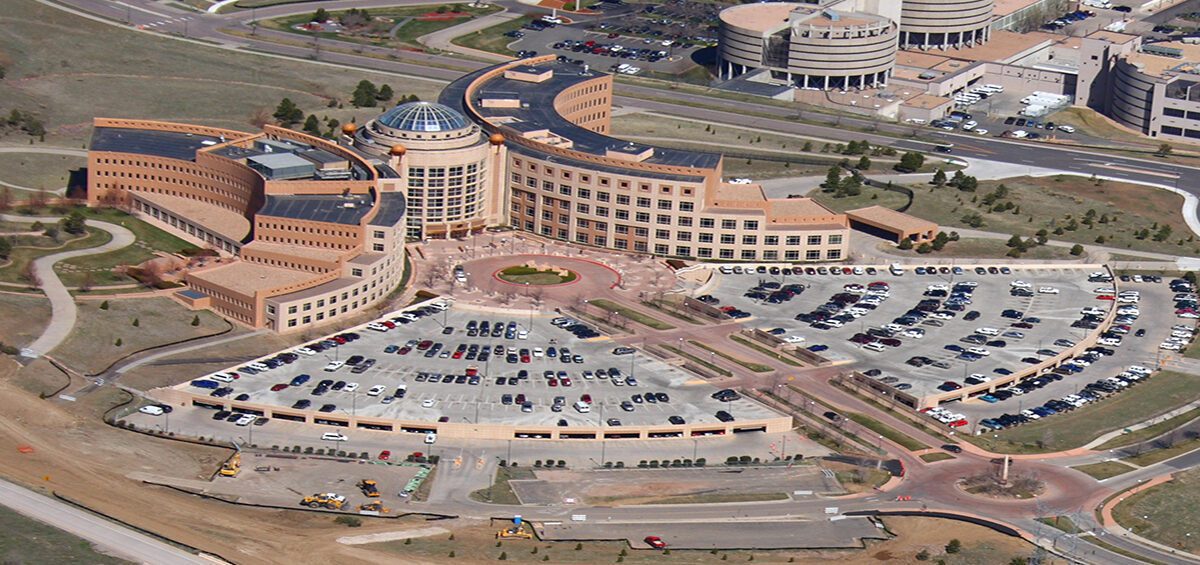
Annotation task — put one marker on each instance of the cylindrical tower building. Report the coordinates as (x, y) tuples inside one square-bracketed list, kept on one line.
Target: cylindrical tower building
[(945, 23)]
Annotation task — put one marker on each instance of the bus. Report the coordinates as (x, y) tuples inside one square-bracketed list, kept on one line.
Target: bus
[(944, 147)]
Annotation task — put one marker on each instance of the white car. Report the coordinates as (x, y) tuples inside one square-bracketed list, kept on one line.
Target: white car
[(981, 131), (969, 125), (427, 403), (1128, 299), (152, 410), (1104, 290), (305, 351), (350, 387), (334, 365), (1109, 341), (915, 333), (377, 327), (537, 352), (1189, 315), (523, 334), (1066, 129), (987, 331), (1020, 134), (1030, 414), (1020, 284), (979, 351), (430, 437), (874, 346), (1091, 311), (1047, 290), (246, 420), (334, 436), (793, 339), (376, 390)]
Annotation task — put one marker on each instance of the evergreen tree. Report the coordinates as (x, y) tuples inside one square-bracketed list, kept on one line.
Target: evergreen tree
[(312, 125), (939, 178), (5, 248), (385, 93), (365, 94), (287, 113), (833, 179), (863, 163), (74, 223)]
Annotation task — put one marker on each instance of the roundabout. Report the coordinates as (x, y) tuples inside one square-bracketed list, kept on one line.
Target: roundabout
[(536, 275), (551, 276)]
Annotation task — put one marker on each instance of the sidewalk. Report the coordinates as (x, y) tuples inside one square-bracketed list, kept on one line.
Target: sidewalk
[(1146, 424)]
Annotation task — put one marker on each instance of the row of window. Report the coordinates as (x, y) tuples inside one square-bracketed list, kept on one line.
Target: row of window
[(1171, 130), (443, 172), (585, 178), (701, 252), (192, 170)]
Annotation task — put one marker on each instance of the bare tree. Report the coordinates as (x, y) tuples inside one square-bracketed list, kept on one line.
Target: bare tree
[(86, 284), (6, 199), (260, 117), (30, 275), (39, 199)]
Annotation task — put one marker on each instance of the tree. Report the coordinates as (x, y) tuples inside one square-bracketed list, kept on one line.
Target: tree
[(939, 178), (905, 244), (312, 125), (863, 163), (5, 248), (954, 546), (104, 305), (924, 248), (320, 15), (6, 199), (1163, 150), (385, 93), (910, 162), (1077, 250), (1014, 241), (30, 275), (940, 241), (1163, 233), (287, 113), (833, 179), (136, 323), (74, 223), (808, 146), (923, 555), (196, 320), (364, 94)]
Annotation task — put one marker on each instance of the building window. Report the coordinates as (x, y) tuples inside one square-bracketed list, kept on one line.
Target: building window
[(684, 236), (1173, 112), (292, 323), (685, 221), (750, 224), (1169, 130), (705, 238), (660, 249), (707, 222), (727, 238), (356, 272), (791, 255), (729, 224), (643, 217), (705, 252), (379, 234), (793, 240), (726, 254), (662, 219), (771, 255), (833, 254), (814, 240), (664, 204), (812, 254), (835, 239), (749, 240), (377, 247), (291, 309), (683, 251), (686, 207), (662, 234), (643, 202), (771, 240)]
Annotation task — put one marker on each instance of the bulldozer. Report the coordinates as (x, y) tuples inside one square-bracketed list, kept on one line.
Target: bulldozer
[(517, 531), (332, 501), (374, 506), (231, 467), (369, 488)]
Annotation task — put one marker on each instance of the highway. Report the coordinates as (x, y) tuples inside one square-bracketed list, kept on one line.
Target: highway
[(111, 538)]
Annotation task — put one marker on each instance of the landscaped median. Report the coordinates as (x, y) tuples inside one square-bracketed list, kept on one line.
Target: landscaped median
[(1163, 392), (755, 367), (1104, 469), (643, 319)]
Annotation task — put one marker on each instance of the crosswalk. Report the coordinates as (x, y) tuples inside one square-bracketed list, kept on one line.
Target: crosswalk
[(167, 22)]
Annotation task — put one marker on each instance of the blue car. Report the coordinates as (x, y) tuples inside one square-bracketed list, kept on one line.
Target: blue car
[(953, 347), (989, 399), (817, 348), (920, 270), (300, 379), (1001, 371)]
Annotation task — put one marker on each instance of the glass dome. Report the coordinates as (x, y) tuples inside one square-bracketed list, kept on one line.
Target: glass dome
[(422, 116)]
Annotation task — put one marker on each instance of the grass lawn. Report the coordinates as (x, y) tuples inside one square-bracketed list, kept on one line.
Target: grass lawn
[(765, 351), (1165, 513), (1164, 392), (21, 256), (25, 540), (492, 39), (501, 492), (91, 347), (1091, 122), (125, 74), (643, 319), (936, 456), (37, 171), (896, 436), (870, 196), (1160, 454), (535, 277), (984, 248), (184, 366), (1063, 523), (28, 316), (861, 480), (1150, 431), (1104, 469), (384, 19), (755, 367), (697, 360), (1054, 201)]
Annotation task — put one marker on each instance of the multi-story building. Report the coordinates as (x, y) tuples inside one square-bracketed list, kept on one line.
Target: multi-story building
[(315, 236), (940, 24), (1153, 88)]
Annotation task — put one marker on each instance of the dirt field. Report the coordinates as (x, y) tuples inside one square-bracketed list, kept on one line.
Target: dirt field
[(32, 311), (670, 486)]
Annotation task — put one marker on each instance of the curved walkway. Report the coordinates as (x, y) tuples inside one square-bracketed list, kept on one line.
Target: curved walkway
[(62, 304)]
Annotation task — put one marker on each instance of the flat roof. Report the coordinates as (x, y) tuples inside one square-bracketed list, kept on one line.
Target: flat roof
[(792, 207), (919, 60), (333, 285), (1164, 66), (169, 144), (247, 278), (318, 253), (280, 160), (537, 107), (1006, 7), (327, 208), (887, 217), (926, 101), (1005, 45), (600, 169), (1112, 36), (222, 221), (763, 18), (192, 294), (391, 209)]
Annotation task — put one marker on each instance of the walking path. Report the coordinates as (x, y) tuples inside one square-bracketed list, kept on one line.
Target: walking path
[(62, 304), (1146, 424), (442, 39)]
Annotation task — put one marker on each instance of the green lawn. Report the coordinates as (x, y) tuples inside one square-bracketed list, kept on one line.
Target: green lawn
[(535, 277), (636, 316), (766, 351), (126, 74), (697, 360), (24, 540), (755, 367), (1150, 431), (896, 436), (501, 492), (1164, 392), (1063, 523), (936, 456), (1052, 202), (383, 20), (1160, 454), (869, 196), (1104, 469), (37, 171), (1166, 513), (492, 39), (21, 256)]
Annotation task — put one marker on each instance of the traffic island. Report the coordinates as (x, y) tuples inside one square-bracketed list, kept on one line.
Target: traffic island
[(534, 274)]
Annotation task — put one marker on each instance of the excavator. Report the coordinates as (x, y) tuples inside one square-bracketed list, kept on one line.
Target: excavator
[(332, 501), (232, 467), (374, 506), (517, 531), (369, 488)]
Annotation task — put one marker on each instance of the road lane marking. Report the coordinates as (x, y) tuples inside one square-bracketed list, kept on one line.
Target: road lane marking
[(1133, 170)]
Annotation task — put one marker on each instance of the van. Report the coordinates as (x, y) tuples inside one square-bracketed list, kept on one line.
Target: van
[(874, 346), (334, 436), (222, 377), (896, 269), (259, 366), (583, 407), (246, 420)]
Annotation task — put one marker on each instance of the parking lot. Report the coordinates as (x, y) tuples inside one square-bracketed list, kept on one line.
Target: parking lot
[(922, 354), (523, 379), (607, 46)]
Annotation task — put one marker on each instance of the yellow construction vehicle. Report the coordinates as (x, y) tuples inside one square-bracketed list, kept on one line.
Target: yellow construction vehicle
[(517, 531), (332, 501), (369, 488), (374, 506), (232, 466)]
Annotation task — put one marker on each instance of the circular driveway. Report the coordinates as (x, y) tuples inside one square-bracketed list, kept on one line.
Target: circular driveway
[(593, 278)]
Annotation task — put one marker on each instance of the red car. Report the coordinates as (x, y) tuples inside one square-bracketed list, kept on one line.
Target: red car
[(566, 381), (552, 382), (472, 371), (278, 387), (1106, 297), (458, 354), (524, 358), (655, 542), (385, 455), (404, 350), (586, 399), (957, 423)]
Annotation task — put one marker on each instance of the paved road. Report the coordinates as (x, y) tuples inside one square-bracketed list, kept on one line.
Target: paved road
[(62, 304), (109, 537)]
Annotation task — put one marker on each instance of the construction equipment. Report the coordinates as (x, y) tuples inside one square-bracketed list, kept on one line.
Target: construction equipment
[(517, 531), (369, 488), (330, 500), (374, 506), (232, 466)]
